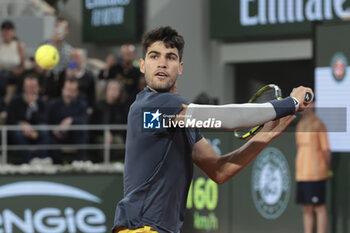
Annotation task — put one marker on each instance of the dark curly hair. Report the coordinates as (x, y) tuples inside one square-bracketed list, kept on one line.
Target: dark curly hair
[(167, 35)]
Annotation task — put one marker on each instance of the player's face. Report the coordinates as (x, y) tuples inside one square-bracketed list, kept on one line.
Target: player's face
[(161, 67)]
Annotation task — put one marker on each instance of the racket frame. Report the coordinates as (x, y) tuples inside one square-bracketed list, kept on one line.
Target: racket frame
[(256, 129)]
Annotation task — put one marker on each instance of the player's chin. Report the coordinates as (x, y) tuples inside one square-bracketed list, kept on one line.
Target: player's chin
[(163, 87)]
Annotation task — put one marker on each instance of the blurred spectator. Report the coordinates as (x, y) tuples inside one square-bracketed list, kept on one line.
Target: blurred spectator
[(66, 111), (26, 110), (48, 89), (142, 83), (12, 57), (112, 110), (126, 72), (77, 69), (110, 61), (60, 32)]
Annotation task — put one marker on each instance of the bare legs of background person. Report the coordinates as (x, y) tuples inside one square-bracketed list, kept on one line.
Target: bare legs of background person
[(312, 213), (322, 219), (308, 218)]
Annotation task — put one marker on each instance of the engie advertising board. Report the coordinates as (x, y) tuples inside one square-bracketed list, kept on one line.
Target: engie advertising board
[(59, 203)]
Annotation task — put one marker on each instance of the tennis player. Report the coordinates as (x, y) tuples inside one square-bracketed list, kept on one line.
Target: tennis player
[(159, 160)]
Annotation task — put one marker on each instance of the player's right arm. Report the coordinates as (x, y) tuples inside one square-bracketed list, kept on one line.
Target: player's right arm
[(235, 116), (222, 168)]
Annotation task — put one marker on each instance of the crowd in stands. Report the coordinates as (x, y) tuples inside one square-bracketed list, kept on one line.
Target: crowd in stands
[(65, 95)]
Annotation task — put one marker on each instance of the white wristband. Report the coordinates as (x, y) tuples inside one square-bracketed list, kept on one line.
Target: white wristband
[(296, 102)]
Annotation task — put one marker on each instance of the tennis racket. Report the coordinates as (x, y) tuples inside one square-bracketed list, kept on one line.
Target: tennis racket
[(265, 94)]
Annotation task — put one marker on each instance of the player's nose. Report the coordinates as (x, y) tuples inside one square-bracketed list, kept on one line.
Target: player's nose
[(162, 62)]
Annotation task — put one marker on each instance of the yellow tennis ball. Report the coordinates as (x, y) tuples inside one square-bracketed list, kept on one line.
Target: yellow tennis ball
[(47, 56)]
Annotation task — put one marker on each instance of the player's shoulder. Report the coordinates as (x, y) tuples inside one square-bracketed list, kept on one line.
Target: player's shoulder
[(148, 97)]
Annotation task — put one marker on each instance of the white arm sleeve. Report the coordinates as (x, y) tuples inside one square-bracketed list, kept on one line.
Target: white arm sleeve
[(232, 116)]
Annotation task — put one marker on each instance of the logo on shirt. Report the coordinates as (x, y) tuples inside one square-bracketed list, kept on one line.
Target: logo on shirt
[(339, 64), (271, 183), (152, 119)]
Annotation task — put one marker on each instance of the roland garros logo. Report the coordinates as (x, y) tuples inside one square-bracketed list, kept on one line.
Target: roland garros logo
[(271, 183), (49, 218), (339, 64)]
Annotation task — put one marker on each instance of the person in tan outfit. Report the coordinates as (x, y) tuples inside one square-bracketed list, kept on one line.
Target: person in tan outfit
[(312, 169)]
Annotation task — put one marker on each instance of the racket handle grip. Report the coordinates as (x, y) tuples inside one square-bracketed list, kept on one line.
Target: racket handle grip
[(308, 97)]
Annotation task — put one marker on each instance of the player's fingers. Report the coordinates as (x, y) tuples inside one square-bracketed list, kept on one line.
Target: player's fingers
[(299, 93)]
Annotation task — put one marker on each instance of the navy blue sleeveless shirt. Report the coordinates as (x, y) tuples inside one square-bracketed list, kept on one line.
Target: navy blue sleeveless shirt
[(158, 165)]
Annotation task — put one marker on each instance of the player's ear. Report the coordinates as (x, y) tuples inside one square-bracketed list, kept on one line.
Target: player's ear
[(142, 65), (181, 67)]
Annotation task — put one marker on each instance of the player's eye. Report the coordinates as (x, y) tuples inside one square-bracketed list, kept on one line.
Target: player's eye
[(172, 58), (153, 56)]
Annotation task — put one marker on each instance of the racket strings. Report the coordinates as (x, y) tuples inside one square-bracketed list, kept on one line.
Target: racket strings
[(265, 96), (262, 97)]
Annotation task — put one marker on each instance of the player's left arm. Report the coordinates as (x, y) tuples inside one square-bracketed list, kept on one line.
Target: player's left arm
[(222, 168)]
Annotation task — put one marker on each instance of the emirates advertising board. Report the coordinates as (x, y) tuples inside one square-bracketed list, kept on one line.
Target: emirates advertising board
[(245, 19)]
